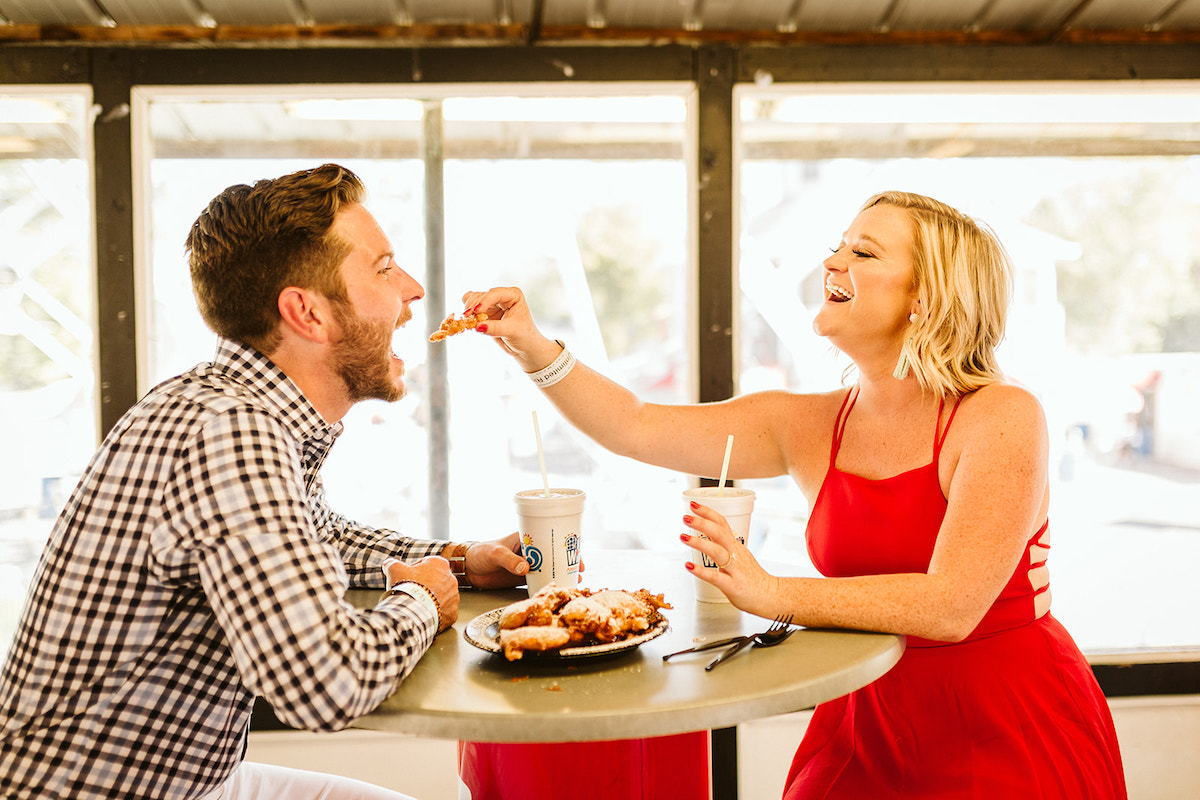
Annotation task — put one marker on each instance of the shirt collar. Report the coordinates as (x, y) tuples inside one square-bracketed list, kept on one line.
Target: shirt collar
[(260, 375)]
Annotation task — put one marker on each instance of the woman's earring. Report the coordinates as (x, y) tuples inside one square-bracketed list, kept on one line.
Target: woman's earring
[(901, 371)]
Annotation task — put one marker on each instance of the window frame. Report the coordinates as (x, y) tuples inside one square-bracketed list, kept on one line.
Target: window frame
[(715, 69)]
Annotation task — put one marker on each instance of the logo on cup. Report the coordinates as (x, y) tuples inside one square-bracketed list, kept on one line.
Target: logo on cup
[(572, 543), (531, 553), (534, 557)]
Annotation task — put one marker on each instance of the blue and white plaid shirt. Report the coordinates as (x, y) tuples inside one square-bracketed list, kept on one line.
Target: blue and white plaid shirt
[(195, 566)]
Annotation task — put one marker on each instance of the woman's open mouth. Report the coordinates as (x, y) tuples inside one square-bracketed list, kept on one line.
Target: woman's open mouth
[(836, 293)]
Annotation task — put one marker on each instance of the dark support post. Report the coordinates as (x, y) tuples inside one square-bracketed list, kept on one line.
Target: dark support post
[(115, 304), (716, 291), (714, 171)]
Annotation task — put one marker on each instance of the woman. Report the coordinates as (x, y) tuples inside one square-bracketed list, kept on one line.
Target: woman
[(928, 486)]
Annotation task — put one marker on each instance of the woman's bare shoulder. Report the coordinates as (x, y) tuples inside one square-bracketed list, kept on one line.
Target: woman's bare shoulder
[(1003, 405)]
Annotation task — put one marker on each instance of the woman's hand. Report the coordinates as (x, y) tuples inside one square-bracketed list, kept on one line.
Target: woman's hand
[(511, 324), (747, 585), (496, 564)]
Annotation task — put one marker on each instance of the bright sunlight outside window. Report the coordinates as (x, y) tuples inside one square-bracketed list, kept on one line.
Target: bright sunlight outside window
[(47, 372)]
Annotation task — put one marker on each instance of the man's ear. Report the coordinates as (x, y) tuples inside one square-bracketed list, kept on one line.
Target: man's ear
[(306, 313)]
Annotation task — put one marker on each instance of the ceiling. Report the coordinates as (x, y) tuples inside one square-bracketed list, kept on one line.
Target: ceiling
[(531, 21)]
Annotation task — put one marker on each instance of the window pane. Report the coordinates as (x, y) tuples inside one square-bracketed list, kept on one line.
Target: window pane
[(47, 372), (581, 201), (1095, 196)]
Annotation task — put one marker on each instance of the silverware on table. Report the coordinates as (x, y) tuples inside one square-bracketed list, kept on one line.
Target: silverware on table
[(780, 629), (708, 646)]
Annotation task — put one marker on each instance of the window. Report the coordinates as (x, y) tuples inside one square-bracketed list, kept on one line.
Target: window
[(1093, 190), (47, 370), (581, 200)]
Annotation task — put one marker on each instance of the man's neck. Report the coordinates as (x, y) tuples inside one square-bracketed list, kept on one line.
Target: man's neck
[(307, 367)]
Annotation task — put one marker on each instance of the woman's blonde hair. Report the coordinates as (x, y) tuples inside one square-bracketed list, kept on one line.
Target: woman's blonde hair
[(963, 280)]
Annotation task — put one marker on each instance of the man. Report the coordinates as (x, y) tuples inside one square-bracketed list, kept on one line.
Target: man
[(197, 564)]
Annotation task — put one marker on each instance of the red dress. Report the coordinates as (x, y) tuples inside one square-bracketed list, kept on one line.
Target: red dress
[(1013, 711), (661, 768)]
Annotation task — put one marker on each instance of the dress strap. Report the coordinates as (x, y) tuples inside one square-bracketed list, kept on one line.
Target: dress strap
[(839, 424), (939, 434)]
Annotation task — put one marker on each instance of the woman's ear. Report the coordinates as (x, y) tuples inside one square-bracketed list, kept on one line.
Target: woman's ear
[(305, 313)]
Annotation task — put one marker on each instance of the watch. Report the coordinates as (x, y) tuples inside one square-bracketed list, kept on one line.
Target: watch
[(456, 554)]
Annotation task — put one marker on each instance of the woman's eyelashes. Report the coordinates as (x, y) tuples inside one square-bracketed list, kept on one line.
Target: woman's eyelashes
[(858, 253)]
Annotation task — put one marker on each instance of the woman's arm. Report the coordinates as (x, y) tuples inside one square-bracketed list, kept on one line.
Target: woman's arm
[(686, 438)]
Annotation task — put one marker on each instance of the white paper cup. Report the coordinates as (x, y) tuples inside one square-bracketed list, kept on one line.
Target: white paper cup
[(733, 504), (549, 528)]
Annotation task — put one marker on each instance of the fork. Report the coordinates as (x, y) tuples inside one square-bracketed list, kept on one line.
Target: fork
[(780, 629)]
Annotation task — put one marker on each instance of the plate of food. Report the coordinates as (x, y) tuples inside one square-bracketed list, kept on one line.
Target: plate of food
[(562, 623)]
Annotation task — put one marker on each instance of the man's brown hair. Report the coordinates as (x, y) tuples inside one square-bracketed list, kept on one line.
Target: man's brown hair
[(252, 242)]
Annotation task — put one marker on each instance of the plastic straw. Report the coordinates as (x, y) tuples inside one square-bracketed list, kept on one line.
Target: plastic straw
[(542, 456), (725, 466)]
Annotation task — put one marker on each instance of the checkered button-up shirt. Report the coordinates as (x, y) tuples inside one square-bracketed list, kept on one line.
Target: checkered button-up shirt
[(195, 566)]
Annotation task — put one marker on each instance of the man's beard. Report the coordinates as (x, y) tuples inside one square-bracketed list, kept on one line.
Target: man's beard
[(363, 359)]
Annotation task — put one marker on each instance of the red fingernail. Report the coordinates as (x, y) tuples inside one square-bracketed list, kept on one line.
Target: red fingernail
[(481, 328), (683, 537), (477, 307), (688, 519), (690, 566), (695, 505)]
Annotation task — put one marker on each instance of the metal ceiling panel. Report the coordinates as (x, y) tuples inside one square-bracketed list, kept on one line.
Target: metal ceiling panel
[(667, 14), (152, 12), (479, 12), (761, 15), (1029, 14), (358, 12), (52, 12), (1102, 14), (939, 15), (1185, 16), (260, 12), (842, 15)]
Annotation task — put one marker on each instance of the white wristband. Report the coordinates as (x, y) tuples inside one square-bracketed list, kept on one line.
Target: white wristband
[(557, 370)]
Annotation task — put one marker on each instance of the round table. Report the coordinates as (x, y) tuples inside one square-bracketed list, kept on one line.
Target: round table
[(459, 691)]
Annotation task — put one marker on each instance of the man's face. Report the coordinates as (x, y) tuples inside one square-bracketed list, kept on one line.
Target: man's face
[(380, 294), (364, 359)]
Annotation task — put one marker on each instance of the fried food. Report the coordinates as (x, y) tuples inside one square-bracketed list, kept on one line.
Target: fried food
[(537, 610), (608, 615), (556, 617), (532, 637), (452, 325)]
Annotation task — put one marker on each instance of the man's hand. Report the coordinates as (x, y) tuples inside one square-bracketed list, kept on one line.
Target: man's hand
[(432, 572), (496, 564)]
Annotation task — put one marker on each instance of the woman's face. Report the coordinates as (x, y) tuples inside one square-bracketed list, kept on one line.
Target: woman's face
[(869, 291)]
